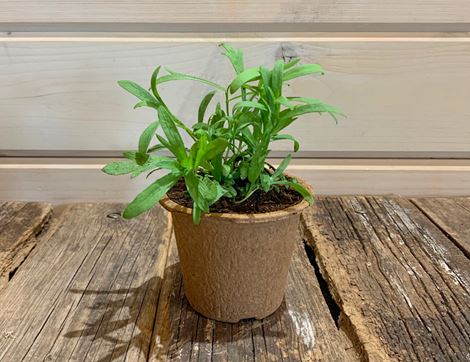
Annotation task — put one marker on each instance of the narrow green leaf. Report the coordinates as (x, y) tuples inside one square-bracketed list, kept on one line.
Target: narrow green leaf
[(249, 104), (181, 76), (277, 78), (192, 185), (150, 196), (235, 57), (281, 168), (119, 167), (214, 148), (265, 181), (288, 137), (302, 191), (137, 90), (244, 77), (302, 70), (285, 102), (203, 106), (292, 63), (146, 137), (257, 163), (149, 104), (171, 132)]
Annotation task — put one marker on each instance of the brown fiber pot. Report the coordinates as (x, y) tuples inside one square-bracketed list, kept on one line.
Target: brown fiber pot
[(235, 265)]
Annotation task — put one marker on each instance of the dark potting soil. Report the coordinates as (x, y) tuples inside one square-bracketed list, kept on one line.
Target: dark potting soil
[(259, 202)]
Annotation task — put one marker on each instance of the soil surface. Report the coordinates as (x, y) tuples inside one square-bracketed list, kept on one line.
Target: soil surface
[(259, 202)]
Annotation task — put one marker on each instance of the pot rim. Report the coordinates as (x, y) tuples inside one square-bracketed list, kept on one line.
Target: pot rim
[(172, 206)]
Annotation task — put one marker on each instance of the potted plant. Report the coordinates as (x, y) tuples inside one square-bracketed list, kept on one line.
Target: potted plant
[(236, 217)]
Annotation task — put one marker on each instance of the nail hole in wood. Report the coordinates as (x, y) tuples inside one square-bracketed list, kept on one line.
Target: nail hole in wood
[(114, 215)]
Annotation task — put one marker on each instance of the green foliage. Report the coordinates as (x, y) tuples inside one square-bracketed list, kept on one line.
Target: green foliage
[(230, 144)]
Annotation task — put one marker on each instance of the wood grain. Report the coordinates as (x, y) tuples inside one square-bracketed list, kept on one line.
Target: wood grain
[(62, 95), (240, 11), (19, 224), (452, 215), (302, 330), (89, 292), (68, 180), (403, 287)]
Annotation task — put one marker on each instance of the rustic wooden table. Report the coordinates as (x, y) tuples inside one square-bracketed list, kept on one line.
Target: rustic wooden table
[(79, 283)]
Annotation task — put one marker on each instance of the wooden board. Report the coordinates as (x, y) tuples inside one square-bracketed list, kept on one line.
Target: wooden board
[(403, 287), (240, 11), (452, 215), (69, 180), (301, 330), (61, 93), (19, 224), (89, 291), (100, 288)]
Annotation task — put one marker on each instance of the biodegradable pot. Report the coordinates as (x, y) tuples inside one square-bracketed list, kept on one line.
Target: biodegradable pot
[(235, 265)]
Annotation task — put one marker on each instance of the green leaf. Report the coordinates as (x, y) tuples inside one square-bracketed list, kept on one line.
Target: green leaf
[(292, 63), (137, 90), (214, 148), (235, 57), (150, 196), (302, 70), (281, 168), (210, 190), (153, 83), (257, 163), (146, 137), (203, 106), (171, 132), (150, 104), (288, 137), (120, 167), (305, 100), (130, 166), (265, 181), (192, 185), (285, 102), (277, 78), (244, 77), (249, 104), (287, 116), (302, 191), (181, 76)]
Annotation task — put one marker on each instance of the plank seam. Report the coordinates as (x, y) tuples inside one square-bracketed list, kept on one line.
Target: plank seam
[(441, 229), (344, 322)]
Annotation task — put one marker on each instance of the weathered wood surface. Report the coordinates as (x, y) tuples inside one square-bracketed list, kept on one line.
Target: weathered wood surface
[(98, 288), (403, 287), (89, 291), (452, 215), (75, 86), (19, 224), (301, 330)]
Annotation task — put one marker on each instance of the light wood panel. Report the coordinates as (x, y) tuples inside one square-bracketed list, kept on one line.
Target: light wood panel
[(240, 11), (68, 180), (400, 94)]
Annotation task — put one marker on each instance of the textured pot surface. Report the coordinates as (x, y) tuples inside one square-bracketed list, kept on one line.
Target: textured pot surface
[(235, 265)]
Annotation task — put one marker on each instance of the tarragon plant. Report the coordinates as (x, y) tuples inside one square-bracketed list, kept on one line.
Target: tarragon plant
[(230, 145)]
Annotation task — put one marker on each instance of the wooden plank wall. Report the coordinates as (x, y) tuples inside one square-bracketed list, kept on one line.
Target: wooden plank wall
[(401, 72)]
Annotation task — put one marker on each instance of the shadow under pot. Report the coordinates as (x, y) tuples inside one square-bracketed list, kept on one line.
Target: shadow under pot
[(235, 266)]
